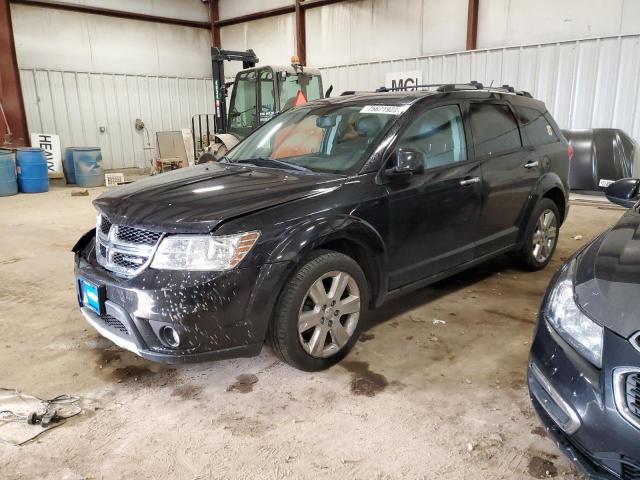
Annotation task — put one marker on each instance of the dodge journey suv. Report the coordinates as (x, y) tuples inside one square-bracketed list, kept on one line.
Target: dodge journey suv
[(326, 211)]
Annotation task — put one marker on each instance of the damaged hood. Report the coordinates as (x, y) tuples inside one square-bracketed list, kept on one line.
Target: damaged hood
[(608, 277), (196, 199)]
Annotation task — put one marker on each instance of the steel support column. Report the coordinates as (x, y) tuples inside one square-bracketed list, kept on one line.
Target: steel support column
[(301, 36), (214, 16), (10, 90), (472, 24)]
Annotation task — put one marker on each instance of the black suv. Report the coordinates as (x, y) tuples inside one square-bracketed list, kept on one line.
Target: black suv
[(327, 210)]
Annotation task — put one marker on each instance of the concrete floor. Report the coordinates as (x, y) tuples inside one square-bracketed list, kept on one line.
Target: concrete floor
[(413, 400)]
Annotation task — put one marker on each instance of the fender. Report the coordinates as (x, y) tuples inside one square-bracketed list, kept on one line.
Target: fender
[(298, 241), (545, 183), (83, 241)]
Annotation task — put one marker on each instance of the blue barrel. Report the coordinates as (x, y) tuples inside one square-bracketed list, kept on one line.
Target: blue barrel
[(33, 175), (67, 165), (8, 179), (87, 163)]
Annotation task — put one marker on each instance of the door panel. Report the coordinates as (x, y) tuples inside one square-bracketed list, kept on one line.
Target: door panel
[(433, 214), (432, 218), (507, 181)]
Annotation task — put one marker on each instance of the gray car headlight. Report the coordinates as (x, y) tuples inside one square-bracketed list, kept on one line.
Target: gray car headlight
[(566, 317), (203, 252)]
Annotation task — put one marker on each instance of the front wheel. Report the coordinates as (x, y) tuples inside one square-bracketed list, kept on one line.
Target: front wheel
[(541, 237), (320, 311)]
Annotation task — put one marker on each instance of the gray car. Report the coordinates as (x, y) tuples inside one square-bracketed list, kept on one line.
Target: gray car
[(584, 368)]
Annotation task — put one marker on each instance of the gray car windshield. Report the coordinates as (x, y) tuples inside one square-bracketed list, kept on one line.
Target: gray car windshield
[(328, 138)]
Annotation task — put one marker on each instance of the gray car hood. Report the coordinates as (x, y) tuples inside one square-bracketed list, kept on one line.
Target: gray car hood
[(608, 277)]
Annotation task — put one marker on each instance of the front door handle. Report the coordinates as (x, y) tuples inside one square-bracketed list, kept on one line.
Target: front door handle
[(531, 164), (469, 181)]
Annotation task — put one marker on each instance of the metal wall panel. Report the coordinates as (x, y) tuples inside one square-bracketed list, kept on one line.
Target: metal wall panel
[(75, 105), (273, 40), (95, 43), (585, 83)]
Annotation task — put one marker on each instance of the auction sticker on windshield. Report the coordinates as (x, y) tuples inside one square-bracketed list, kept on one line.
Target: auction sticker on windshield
[(388, 109)]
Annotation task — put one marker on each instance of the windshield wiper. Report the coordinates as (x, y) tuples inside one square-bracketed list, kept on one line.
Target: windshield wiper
[(270, 162)]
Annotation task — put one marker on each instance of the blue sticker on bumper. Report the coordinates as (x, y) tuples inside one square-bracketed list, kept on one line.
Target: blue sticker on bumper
[(90, 295)]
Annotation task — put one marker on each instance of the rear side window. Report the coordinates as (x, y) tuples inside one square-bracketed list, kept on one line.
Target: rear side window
[(495, 130), (536, 127)]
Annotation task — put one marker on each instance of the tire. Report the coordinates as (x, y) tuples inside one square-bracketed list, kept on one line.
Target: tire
[(540, 239), (305, 334), (206, 157)]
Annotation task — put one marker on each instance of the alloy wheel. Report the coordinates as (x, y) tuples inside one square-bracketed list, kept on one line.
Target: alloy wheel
[(545, 236), (329, 314)]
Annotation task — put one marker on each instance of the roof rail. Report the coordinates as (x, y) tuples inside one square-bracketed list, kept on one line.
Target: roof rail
[(454, 87)]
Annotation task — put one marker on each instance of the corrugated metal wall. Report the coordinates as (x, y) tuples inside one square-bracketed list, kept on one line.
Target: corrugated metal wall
[(76, 105), (585, 83)]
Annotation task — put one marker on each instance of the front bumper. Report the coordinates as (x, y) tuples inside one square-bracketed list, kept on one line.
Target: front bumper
[(581, 414), (216, 314)]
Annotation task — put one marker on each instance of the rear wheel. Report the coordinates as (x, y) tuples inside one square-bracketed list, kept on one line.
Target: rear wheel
[(320, 312), (541, 236)]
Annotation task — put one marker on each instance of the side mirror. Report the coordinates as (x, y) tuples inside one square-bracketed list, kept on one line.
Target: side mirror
[(407, 161), (625, 192)]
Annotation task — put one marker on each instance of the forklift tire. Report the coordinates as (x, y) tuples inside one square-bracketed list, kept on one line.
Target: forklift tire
[(206, 157)]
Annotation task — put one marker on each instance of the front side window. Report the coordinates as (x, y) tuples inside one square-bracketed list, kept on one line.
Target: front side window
[(495, 130), (535, 126), (439, 134), (329, 138)]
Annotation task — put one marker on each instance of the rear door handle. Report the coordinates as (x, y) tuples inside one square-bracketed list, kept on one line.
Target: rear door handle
[(532, 164), (469, 181)]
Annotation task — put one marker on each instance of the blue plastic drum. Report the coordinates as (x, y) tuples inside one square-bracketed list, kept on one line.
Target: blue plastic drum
[(67, 165), (8, 177), (87, 162), (33, 175)]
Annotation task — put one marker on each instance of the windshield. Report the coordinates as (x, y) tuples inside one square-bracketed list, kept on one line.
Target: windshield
[(290, 85), (329, 138)]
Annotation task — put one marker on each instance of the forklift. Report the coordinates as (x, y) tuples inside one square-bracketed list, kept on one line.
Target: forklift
[(257, 95)]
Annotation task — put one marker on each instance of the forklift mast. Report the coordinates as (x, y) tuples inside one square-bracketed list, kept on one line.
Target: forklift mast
[(218, 57)]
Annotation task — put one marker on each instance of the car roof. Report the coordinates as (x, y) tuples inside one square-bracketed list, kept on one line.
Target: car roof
[(411, 97)]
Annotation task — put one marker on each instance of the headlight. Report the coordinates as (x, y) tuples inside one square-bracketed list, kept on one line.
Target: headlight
[(572, 325), (203, 252)]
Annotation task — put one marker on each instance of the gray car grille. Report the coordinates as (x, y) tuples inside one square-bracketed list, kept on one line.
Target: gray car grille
[(632, 388), (630, 472), (122, 249)]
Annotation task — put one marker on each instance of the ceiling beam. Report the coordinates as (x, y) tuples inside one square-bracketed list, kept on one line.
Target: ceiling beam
[(274, 12), (10, 89), (472, 24), (113, 13)]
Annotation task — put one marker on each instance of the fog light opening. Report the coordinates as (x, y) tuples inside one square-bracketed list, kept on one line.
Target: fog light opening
[(170, 336)]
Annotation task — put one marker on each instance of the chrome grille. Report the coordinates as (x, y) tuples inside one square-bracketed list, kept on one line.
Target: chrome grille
[(136, 235), (104, 225), (122, 249), (626, 391)]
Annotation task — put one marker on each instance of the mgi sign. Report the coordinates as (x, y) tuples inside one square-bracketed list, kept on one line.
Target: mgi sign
[(403, 80)]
